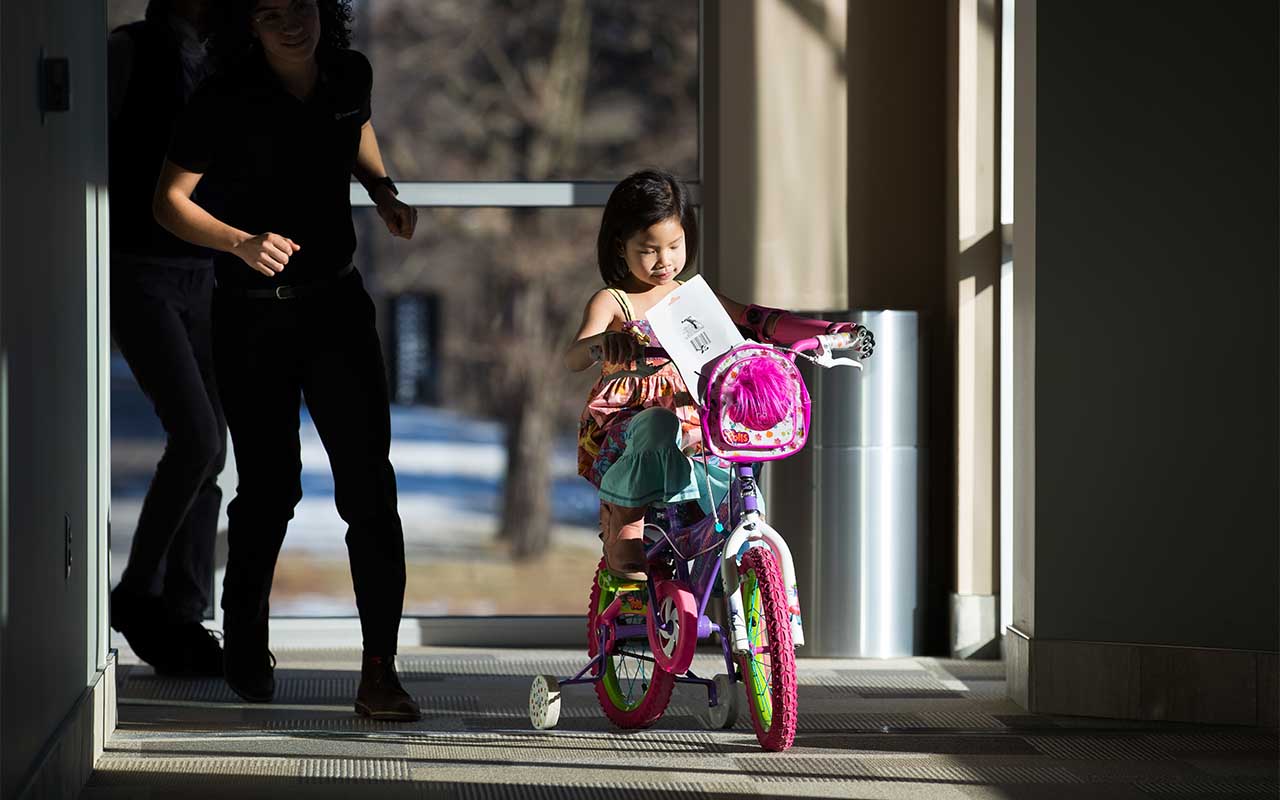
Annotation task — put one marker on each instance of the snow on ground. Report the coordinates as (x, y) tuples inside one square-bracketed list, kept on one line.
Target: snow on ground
[(449, 470)]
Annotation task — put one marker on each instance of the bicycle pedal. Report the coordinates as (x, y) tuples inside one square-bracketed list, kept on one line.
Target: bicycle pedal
[(610, 583)]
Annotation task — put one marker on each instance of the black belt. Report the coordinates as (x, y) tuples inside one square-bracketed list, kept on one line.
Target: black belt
[(287, 292)]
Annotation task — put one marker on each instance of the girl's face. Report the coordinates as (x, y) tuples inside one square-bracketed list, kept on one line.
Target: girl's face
[(288, 29), (656, 255)]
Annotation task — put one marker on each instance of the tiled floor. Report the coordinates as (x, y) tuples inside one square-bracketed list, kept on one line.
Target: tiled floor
[(918, 728)]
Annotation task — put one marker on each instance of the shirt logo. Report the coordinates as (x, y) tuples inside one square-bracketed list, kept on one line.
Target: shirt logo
[(344, 114)]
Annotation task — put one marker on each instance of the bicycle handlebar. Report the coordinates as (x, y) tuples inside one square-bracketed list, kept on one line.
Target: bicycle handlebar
[(860, 340)]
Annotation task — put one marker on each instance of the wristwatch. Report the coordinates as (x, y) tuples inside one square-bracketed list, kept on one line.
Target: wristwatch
[(386, 181)]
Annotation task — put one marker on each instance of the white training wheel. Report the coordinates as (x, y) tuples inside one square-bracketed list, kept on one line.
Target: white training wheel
[(544, 702), (725, 713)]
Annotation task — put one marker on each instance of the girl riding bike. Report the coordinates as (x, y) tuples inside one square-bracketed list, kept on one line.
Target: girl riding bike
[(638, 431), (649, 444)]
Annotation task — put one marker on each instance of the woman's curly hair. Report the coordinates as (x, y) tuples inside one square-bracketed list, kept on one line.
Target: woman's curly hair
[(232, 38)]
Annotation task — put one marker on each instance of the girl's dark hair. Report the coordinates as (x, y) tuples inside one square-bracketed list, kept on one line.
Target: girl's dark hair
[(641, 200), (232, 39)]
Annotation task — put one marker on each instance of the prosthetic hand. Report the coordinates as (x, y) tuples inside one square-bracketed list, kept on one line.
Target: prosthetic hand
[(778, 326)]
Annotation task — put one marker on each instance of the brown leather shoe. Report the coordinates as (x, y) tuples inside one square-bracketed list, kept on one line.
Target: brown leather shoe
[(624, 542), (380, 695)]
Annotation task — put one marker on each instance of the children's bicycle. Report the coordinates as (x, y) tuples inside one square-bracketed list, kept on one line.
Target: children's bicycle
[(641, 636)]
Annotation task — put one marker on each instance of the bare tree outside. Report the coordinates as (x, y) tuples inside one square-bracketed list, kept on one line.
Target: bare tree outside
[(526, 90)]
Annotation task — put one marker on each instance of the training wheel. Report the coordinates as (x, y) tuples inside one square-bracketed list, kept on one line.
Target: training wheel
[(725, 713), (544, 702)]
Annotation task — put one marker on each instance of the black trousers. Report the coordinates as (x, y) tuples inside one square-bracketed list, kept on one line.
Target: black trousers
[(325, 348), (161, 321)]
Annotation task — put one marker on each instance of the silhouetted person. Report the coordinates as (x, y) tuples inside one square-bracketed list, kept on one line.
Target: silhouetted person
[(161, 293), (279, 130)]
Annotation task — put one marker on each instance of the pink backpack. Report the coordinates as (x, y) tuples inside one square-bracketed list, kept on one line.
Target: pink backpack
[(756, 405)]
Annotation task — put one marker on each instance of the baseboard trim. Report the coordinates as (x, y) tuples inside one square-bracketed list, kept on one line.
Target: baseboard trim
[(67, 760), (1142, 681)]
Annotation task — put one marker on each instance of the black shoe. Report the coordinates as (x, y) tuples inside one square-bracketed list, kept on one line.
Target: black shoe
[(250, 671), (141, 620), (194, 652), (380, 695)]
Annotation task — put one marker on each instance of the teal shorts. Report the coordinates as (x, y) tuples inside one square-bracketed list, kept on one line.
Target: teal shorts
[(653, 471)]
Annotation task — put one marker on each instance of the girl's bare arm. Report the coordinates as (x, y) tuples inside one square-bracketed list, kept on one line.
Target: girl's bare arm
[(597, 318), (737, 311)]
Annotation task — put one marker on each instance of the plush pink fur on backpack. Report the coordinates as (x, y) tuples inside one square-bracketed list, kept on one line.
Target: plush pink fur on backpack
[(761, 396)]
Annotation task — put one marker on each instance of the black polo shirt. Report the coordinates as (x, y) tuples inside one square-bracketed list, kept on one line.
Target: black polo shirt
[(277, 163)]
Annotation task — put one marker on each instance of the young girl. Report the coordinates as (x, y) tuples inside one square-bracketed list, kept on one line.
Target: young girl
[(637, 434)]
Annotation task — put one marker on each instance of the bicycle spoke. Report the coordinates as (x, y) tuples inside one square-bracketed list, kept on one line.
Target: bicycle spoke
[(632, 671)]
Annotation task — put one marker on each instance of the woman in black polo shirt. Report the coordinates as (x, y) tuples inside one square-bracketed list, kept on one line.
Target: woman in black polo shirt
[(279, 130)]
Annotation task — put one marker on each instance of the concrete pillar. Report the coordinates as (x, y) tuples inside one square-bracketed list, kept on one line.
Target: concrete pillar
[(1146, 441)]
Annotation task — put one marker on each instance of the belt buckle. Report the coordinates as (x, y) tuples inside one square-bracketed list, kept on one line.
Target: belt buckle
[(285, 293)]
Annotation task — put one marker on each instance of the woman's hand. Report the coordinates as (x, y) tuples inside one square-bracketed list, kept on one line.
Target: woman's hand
[(620, 348), (267, 252), (401, 219)]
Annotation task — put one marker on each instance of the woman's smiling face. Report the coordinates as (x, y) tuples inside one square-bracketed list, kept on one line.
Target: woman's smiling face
[(288, 29)]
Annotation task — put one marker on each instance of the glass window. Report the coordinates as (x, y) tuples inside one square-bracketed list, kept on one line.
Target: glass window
[(498, 90), (474, 313), (122, 12), (475, 310)]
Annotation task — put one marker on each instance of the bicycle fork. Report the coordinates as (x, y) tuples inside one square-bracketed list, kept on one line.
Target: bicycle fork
[(753, 531)]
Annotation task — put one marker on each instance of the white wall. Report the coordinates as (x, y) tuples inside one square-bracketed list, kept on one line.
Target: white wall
[(52, 210), (1155, 290)]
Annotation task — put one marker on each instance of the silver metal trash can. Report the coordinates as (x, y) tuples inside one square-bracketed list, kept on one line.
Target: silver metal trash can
[(851, 504)]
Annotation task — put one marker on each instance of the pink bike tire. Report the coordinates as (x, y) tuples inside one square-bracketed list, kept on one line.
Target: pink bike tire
[(775, 727), (657, 694)]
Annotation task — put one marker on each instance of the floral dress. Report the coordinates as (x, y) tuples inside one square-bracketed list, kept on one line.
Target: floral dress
[(613, 402)]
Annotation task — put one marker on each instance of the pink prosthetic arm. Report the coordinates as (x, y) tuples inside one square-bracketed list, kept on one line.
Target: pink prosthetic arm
[(778, 326)]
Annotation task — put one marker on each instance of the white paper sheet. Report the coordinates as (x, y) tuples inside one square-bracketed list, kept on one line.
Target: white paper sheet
[(693, 328)]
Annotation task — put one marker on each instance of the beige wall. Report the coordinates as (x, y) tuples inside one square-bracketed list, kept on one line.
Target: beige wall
[(897, 225), (1024, 319), (973, 272), (776, 135), (896, 155), (824, 186)]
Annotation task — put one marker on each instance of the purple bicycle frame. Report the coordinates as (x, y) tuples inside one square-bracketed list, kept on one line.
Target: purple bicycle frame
[(700, 578)]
